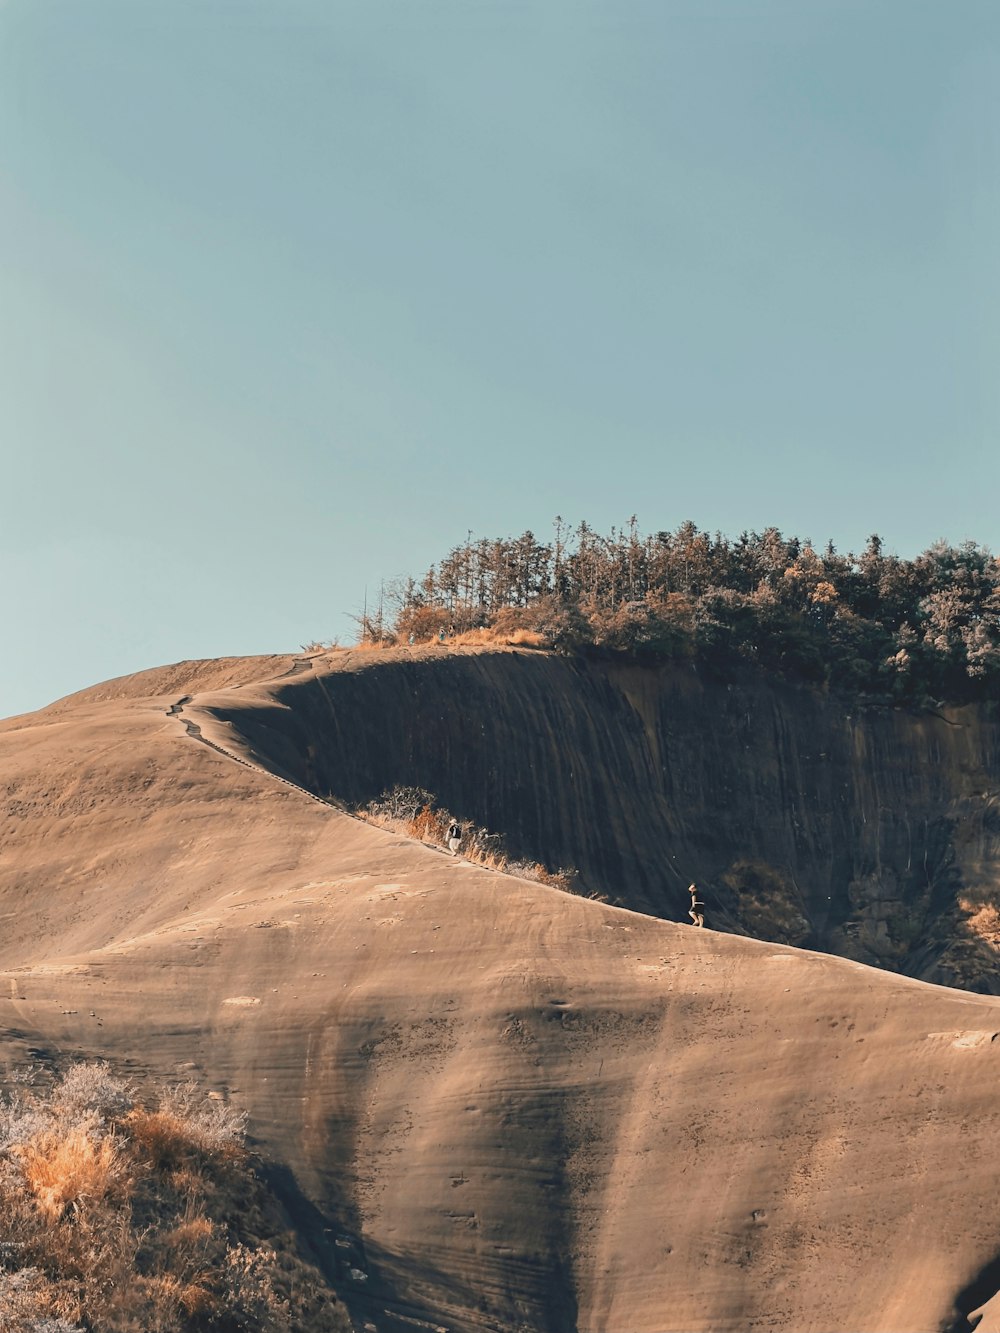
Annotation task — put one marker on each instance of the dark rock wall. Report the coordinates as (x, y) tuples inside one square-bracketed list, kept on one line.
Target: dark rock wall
[(802, 818)]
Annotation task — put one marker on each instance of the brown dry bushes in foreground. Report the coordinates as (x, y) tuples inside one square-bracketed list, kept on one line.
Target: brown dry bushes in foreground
[(118, 1217)]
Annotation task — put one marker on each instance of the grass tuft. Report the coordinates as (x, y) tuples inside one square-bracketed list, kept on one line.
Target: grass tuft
[(68, 1170), (120, 1217), (411, 810)]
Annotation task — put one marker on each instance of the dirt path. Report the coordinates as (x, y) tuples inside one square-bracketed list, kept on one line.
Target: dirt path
[(299, 665), (193, 730)]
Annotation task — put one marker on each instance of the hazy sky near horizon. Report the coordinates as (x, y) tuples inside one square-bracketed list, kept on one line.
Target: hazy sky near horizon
[(294, 293)]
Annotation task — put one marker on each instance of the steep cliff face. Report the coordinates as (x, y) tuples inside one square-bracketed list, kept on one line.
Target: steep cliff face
[(868, 832)]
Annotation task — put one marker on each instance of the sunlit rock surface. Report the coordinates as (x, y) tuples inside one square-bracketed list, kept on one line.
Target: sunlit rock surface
[(495, 1105), (804, 818)]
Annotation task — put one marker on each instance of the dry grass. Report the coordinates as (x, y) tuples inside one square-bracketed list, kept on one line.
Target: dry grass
[(486, 637), (411, 811), (374, 645), (159, 1136), (192, 1232), (116, 1217), (68, 1169), (982, 921), (176, 1133)]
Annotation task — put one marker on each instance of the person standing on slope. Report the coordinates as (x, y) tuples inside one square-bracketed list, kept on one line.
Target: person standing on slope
[(454, 838), (695, 912)]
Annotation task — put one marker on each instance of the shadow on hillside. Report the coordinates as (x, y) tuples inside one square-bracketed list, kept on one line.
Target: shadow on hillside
[(369, 1279), (983, 1287)]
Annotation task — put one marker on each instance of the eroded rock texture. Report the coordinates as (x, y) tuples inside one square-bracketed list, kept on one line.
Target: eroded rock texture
[(489, 1105), (804, 818)]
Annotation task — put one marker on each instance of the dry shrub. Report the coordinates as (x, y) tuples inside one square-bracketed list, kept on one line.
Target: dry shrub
[(191, 1252), (556, 879), (423, 623), (122, 1218), (374, 645), (92, 1089), (411, 810), (70, 1170), (161, 1136), (197, 1300), (216, 1126), (517, 636), (545, 623), (528, 638), (982, 920), (426, 825), (186, 1126), (249, 1282), (401, 803), (21, 1120), (321, 646), (188, 1181), (174, 1303), (26, 1306)]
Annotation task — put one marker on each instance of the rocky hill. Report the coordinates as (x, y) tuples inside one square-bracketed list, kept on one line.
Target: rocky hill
[(493, 1105), (871, 832)]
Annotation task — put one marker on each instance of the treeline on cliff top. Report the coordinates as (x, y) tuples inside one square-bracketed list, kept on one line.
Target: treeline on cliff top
[(906, 630)]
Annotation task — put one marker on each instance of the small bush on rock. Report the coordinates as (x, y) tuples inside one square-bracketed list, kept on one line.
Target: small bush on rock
[(411, 810), (121, 1217)]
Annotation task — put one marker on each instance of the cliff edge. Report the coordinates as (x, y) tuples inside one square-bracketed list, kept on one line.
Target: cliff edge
[(805, 818)]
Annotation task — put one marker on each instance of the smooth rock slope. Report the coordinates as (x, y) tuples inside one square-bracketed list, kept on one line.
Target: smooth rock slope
[(806, 818), (496, 1105)]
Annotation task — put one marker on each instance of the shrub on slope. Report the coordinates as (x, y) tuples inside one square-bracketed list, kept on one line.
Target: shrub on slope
[(118, 1217), (412, 811)]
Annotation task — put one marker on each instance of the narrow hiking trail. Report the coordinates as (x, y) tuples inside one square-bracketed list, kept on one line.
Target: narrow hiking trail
[(299, 665)]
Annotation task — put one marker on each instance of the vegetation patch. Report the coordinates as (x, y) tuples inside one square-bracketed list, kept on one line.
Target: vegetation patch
[(414, 812), (910, 631), (121, 1217), (982, 921), (767, 906)]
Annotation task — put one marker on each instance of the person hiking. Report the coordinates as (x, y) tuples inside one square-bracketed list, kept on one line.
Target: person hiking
[(454, 838), (695, 912)]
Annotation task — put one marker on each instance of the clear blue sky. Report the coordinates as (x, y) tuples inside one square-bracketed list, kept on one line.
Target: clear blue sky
[(296, 292)]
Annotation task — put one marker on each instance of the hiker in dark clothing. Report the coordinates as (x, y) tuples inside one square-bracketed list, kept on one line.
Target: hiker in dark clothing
[(695, 912), (454, 838)]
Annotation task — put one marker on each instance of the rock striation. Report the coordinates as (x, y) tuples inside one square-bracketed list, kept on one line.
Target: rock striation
[(807, 819), (490, 1105)]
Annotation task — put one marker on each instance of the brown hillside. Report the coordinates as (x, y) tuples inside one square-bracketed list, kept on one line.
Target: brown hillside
[(869, 832), (498, 1106)]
